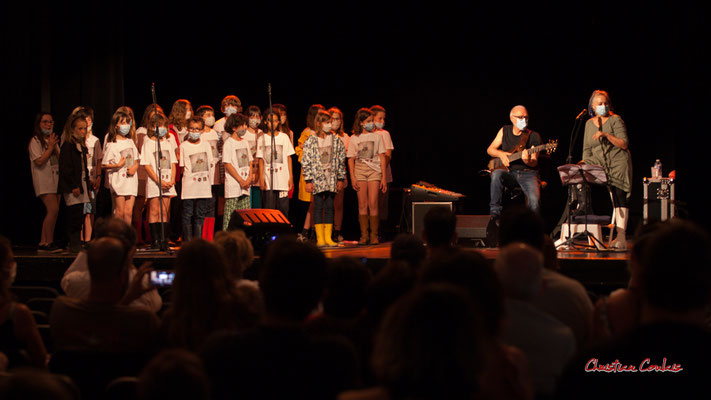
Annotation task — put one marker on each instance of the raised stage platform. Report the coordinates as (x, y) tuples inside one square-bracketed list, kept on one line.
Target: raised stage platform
[(599, 272)]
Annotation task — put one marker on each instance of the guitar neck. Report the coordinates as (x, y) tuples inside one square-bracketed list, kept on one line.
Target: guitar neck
[(534, 149)]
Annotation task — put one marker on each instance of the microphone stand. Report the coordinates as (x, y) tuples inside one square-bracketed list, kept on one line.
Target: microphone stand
[(574, 133), (162, 245)]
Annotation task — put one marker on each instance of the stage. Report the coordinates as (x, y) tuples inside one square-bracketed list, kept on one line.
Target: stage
[(599, 272)]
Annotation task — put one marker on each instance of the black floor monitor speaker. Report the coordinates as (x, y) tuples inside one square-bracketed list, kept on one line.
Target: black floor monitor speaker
[(476, 230), (261, 225)]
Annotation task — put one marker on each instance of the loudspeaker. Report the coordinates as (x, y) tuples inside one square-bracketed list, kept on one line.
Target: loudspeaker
[(419, 209), (261, 225), (478, 229)]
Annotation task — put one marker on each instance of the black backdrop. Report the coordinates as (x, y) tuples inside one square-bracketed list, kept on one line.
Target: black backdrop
[(447, 73)]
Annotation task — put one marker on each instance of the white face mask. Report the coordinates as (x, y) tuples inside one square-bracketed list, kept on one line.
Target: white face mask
[(253, 123), (125, 129), (602, 110), (210, 121), (229, 110), (162, 131), (379, 125), (46, 132), (188, 115), (521, 123)]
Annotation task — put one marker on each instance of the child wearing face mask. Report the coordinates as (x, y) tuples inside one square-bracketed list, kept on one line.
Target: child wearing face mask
[(150, 161), (44, 163), (121, 163), (196, 195), (303, 194), (338, 131), (275, 170), (367, 163), (254, 120), (324, 170), (207, 113), (74, 176), (237, 159), (231, 104)]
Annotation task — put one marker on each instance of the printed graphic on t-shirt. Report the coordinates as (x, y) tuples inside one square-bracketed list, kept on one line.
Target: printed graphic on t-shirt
[(242, 158), (365, 149), (278, 157), (127, 154), (198, 161), (164, 159), (325, 155)]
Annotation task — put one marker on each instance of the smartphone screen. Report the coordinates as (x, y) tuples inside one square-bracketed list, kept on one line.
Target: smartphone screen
[(162, 278)]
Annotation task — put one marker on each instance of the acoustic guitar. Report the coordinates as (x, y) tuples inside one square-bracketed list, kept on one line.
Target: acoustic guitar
[(495, 163)]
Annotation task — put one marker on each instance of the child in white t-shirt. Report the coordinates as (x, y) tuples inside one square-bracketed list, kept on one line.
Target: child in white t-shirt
[(151, 161), (276, 176), (195, 159), (44, 165), (324, 166), (367, 164), (237, 159), (121, 161), (180, 113), (207, 113), (254, 115)]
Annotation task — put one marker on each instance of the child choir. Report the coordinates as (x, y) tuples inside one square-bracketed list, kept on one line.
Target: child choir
[(202, 169)]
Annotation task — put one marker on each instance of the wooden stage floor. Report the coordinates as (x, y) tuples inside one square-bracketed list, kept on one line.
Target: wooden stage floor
[(600, 272)]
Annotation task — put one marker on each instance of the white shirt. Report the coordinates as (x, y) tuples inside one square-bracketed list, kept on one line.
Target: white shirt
[(149, 155), (120, 182), (211, 138), (76, 283), (284, 150), (45, 178), (219, 127), (195, 158), (388, 142), (366, 148), (141, 137), (237, 154)]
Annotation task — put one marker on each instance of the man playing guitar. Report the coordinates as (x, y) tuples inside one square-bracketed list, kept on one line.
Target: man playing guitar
[(509, 140)]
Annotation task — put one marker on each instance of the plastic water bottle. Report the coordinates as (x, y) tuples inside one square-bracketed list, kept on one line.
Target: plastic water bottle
[(657, 169)]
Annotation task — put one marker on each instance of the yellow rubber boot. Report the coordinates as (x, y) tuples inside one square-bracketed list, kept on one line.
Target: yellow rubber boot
[(327, 232), (320, 242)]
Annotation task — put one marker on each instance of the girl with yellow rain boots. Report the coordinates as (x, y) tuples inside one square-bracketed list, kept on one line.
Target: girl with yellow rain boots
[(324, 169)]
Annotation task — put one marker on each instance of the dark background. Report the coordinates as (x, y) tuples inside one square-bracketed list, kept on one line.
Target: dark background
[(448, 73)]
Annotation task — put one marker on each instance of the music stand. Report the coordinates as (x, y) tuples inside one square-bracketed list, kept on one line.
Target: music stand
[(573, 174)]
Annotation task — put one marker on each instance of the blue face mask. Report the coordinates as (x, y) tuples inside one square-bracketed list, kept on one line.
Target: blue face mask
[(369, 126), (193, 135), (125, 129), (162, 131)]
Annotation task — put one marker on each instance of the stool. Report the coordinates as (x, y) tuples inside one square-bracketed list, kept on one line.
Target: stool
[(578, 225)]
